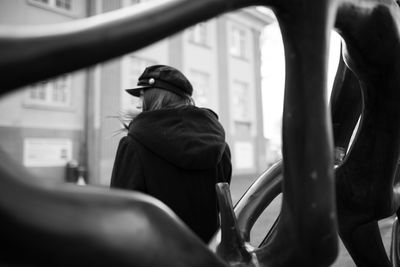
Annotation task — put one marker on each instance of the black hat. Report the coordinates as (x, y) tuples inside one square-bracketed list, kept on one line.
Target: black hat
[(163, 77)]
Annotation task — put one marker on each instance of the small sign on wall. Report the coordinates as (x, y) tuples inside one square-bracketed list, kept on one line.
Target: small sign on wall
[(47, 152), (244, 155)]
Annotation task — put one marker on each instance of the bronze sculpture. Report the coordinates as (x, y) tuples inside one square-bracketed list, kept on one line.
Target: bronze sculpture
[(121, 229)]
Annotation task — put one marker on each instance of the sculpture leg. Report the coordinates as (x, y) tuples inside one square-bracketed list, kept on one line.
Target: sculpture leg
[(306, 232), (362, 240), (364, 181)]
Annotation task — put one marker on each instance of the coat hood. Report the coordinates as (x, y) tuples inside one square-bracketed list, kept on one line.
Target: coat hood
[(188, 137)]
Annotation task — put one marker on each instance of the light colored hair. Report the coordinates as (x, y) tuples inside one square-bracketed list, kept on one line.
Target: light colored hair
[(155, 98)]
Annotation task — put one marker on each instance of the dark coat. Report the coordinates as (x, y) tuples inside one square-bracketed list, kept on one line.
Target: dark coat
[(177, 156)]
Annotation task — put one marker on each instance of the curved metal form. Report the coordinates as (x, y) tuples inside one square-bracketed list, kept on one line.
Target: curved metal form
[(232, 242), (394, 245), (130, 30), (306, 232), (120, 229), (365, 180), (232, 247), (46, 225), (346, 107), (259, 195)]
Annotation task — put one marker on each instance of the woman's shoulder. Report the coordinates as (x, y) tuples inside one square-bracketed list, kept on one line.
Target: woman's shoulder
[(211, 112), (207, 111), (127, 141)]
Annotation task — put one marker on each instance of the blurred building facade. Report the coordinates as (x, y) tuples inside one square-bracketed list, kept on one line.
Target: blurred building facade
[(74, 117)]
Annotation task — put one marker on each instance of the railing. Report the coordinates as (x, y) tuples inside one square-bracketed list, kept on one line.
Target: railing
[(74, 226)]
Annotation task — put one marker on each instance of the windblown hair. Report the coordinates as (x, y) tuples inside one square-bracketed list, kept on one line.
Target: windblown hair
[(155, 98)]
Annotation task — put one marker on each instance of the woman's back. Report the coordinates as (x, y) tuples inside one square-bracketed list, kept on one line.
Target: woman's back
[(175, 152)]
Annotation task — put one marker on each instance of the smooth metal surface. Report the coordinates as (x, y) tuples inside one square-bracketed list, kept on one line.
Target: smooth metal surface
[(346, 105), (395, 245), (259, 195), (365, 180), (232, 247), (48, 225)]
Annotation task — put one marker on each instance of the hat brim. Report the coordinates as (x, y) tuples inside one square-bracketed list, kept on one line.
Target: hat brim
[(136, 91)]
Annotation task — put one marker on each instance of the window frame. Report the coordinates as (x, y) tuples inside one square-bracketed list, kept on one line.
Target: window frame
[(194, 73), (246, 117), (49, 91), (238, 42), (199, 34), (51, 5)]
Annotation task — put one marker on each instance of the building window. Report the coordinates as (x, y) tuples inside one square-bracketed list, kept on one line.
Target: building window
[(201, 86), (52, 93), (241, 101), (244, 155), (198, 34), (110, 5), (238, 42), (63, 6), (242, 128)]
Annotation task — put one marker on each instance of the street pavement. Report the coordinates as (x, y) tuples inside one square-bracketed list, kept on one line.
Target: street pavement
[(240, 184)]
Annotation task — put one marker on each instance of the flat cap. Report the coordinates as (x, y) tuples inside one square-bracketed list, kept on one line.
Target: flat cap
[(162, 77)]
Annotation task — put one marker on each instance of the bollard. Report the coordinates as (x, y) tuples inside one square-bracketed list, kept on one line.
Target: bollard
[(71, 171)]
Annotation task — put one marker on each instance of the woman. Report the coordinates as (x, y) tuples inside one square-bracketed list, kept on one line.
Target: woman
[(174, 151)]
